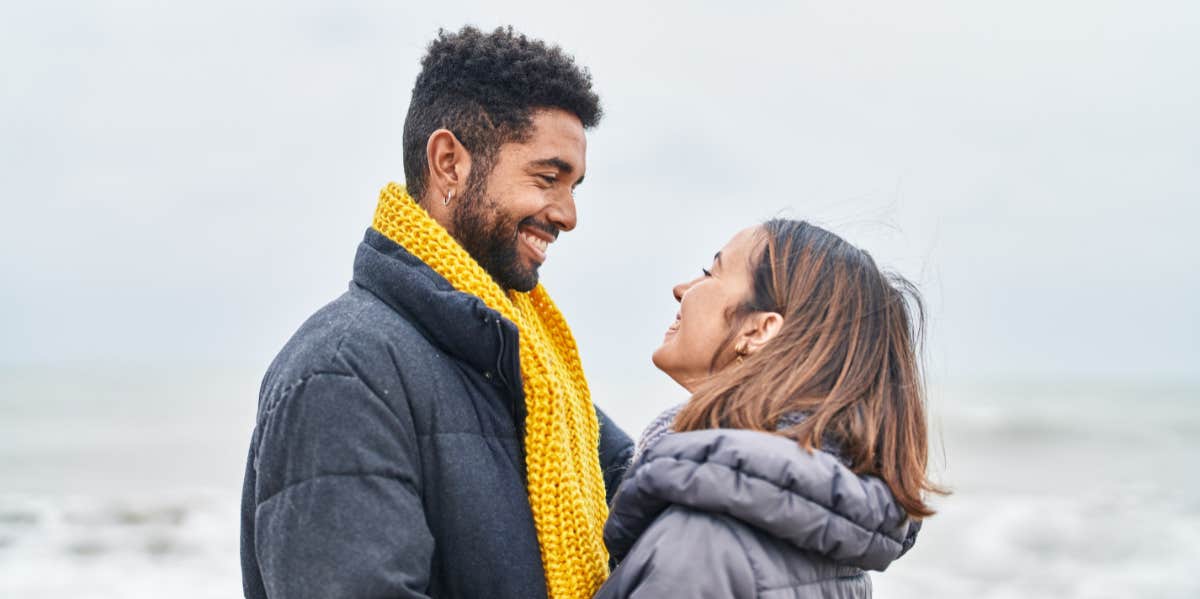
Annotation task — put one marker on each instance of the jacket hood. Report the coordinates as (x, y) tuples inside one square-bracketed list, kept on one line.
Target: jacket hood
[(458, 323), (810, 500)]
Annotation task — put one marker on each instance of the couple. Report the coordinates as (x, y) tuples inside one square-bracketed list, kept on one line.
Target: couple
[(430, 432)]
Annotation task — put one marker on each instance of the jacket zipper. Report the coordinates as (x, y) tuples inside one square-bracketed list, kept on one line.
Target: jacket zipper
[(518, 415)]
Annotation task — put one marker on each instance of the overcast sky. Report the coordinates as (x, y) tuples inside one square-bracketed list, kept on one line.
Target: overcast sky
[(186, 182)]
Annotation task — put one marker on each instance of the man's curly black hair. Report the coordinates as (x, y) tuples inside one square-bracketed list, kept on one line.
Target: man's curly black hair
[(484, 88)]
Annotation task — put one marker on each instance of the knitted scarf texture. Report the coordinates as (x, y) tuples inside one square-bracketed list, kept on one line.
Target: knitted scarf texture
[(562, 435)]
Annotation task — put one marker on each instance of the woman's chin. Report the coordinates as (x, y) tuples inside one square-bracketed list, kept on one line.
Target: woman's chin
[(662, 361), (656, 358), (661, 358)]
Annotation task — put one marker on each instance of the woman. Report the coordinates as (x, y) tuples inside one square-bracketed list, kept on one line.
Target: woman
[(799, 461)]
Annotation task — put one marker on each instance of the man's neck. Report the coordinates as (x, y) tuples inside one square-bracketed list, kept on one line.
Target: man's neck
[(440, 212), (443, 214)]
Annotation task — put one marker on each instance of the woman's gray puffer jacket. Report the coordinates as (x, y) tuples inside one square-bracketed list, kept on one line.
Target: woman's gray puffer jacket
[(734, 513)]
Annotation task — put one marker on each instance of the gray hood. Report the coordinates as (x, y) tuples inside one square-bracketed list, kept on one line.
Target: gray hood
[(809, 500)]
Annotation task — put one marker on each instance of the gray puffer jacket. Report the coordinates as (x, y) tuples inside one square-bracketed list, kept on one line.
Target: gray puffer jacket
[(733, 513)]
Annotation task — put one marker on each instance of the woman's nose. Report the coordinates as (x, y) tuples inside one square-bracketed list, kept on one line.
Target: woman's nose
[(680, 289)]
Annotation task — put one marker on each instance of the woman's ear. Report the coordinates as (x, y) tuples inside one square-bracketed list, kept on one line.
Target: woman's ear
[(760, 328)]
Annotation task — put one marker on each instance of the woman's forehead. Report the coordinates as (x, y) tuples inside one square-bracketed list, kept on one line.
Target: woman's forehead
[(742, 242)]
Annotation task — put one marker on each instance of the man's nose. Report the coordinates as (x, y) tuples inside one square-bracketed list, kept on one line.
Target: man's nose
[(562, 212)]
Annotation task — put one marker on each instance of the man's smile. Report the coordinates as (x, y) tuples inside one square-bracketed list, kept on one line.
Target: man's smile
[(537, 239)]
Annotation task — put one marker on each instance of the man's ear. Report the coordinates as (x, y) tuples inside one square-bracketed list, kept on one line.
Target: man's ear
[(760, 328), (449, 166)]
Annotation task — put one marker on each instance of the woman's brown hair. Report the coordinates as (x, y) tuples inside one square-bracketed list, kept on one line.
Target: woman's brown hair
[(846, 357)]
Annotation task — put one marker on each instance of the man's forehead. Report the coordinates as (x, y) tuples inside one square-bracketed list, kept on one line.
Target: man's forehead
[(556, 135)]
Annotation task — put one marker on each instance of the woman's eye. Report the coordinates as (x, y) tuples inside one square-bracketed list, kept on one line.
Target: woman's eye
[(706, 272)]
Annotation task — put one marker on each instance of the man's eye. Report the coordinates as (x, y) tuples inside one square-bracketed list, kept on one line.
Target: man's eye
[(706, 272), (549, 179)]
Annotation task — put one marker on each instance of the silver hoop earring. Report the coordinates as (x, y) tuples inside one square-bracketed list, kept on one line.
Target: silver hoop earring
[(449, 195)]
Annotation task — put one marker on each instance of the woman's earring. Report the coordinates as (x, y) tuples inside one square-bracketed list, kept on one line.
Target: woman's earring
[(741, 351), (449, 195)]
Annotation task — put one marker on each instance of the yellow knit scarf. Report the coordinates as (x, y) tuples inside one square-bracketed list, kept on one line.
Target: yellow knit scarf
[(562, 436)]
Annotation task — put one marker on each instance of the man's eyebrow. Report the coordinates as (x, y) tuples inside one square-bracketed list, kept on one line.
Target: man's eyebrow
[(557, 163)]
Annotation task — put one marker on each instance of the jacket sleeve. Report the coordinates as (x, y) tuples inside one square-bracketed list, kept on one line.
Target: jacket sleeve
[(616, 451), (338, 509), (684, 553)]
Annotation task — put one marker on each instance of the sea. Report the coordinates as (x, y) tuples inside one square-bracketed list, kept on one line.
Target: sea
[(123, 481)]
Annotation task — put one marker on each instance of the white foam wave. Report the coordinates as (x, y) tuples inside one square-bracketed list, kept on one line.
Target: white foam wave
[(1009, 546), (178, 545)]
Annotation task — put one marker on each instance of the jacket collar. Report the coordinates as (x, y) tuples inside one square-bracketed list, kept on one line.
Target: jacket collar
[(458, 323), (810, 500)]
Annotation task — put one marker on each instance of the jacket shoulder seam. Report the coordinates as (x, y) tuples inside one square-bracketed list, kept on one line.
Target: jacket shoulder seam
[(277, 398), (269, 409), (332, 357)]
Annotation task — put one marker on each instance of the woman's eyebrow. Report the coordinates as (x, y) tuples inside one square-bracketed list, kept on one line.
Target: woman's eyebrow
[(717, 258)]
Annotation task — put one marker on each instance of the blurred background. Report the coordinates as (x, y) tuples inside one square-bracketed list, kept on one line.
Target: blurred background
[(184, 183)]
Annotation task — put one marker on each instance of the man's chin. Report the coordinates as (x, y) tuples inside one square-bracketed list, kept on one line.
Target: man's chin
[(512, 268), (525, 284), (516, 279)]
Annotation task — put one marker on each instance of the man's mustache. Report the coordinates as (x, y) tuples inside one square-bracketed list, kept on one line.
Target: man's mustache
[(547, 227)]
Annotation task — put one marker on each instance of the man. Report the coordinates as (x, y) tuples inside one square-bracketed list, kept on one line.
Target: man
[(430, 433)]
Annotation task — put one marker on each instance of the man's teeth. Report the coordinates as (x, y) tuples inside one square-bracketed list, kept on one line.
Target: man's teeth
[(537, 242)]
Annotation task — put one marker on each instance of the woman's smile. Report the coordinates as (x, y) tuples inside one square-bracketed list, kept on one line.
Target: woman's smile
[(674, 326)]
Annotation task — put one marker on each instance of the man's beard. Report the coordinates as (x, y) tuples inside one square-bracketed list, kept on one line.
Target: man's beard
[(490, 236)]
